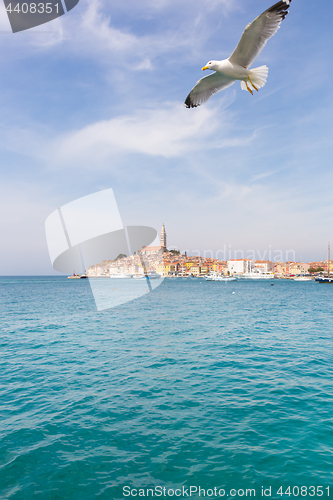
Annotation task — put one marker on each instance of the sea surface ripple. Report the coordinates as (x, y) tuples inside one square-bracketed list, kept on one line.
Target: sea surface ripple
[(190, 385)]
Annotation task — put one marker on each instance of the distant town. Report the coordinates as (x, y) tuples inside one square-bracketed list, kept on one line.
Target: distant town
[(164, 262)]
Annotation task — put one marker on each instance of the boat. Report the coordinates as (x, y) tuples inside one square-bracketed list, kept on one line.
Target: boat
[(214, 276), (302, 278), (151, 275), (226, 278), (258, 275), (77, 277), (121, 275), (324, 279), (328, 278)]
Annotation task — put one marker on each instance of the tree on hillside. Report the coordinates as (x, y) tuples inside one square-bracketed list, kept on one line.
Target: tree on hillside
[(121, 256), (315, 269)]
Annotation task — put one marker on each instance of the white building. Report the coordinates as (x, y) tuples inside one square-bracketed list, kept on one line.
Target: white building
[(265, 266), (151, 250), (96, 270), (240, 266)]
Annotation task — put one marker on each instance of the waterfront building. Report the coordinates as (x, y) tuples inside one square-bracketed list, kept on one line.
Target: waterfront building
[(264, 266), (280, 268), (166, 268), (96, 270), (195, 270), (298, 268), (222, 267), (240, 266), (182, 270), (209, 263)]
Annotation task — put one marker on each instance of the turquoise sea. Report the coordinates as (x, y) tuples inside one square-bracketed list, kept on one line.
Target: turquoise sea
[(189, 386)]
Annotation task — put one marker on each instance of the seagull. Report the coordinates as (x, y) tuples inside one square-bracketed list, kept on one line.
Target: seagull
[(236, 67)]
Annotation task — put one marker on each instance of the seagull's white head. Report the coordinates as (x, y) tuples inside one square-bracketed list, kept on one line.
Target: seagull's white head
[(210, 65)]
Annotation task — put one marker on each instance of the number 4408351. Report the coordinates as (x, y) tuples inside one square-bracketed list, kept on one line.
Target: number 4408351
[(304, 491), (33, 8)]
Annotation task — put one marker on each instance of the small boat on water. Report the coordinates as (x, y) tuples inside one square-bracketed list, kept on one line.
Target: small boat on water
[(328, 278), (226, 278), (324, 279), (121, 275), (258, 275), (214, 276), (302, 278), (151, 275), (77, 277)]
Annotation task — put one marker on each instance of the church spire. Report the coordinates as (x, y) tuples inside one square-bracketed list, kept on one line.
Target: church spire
[(163, 237)]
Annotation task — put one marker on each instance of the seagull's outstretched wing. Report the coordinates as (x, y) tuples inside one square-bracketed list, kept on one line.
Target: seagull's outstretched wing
[(206, 87), (257, 34)]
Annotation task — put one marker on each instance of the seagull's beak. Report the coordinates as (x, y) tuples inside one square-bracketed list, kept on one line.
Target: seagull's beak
[(205, 67)]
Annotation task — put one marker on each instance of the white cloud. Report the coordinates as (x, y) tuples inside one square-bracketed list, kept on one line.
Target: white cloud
[(96, 35), (90, 32), (168, 131)]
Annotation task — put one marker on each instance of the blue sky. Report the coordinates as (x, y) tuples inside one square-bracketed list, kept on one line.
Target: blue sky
[(94, 100)]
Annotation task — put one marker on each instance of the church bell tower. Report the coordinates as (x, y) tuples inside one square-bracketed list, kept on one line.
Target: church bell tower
[(163, 237)]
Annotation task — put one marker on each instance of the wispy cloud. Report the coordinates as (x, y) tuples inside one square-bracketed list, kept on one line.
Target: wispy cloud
[(167, 131), (101, 38), (92, 33)]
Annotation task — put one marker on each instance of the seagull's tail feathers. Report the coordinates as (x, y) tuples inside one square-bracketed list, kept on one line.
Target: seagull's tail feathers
[(258, 77)]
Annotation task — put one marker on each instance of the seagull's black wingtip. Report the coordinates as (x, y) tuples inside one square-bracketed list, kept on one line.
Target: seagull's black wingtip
[(280, 8), (189, 104)]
